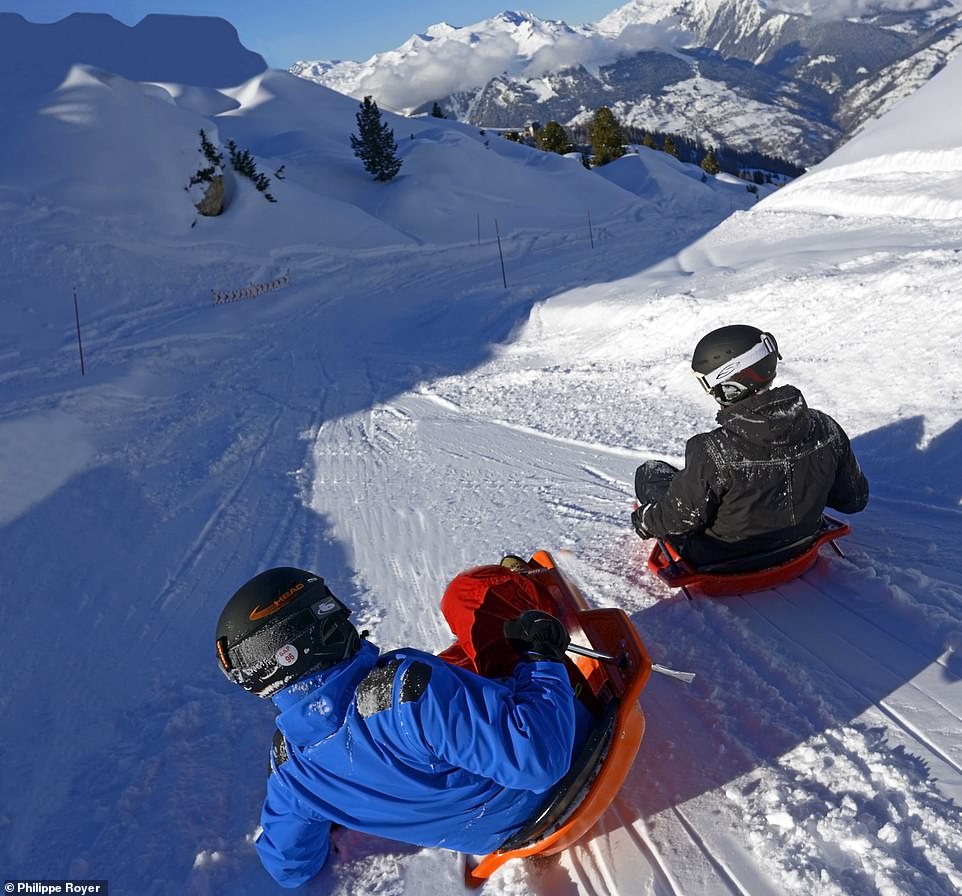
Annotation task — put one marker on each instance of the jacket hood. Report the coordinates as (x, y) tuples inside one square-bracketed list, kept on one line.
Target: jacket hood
[(314, 707), (774, 417)]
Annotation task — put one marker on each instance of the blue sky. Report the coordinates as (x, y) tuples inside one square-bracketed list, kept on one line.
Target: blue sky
[(289, 30)]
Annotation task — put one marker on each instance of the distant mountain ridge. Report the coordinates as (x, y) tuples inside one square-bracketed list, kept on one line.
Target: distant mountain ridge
[(744, 73), (198, 50)]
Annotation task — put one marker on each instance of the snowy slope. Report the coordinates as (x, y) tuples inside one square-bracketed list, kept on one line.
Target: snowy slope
[(892, 168), (394, 414)]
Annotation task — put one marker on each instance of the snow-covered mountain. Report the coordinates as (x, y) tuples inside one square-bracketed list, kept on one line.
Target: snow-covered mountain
[(448, 60), (788, 79), (394, 412)]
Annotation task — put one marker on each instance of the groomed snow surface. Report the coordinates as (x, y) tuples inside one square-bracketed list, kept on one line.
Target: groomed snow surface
[(393, 413)]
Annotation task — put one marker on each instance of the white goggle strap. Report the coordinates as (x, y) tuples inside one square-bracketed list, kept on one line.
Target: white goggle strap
[(727, 370)]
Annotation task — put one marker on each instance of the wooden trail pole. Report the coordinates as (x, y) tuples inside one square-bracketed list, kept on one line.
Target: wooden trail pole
[(591, 235), (80, 345), (497, 231)]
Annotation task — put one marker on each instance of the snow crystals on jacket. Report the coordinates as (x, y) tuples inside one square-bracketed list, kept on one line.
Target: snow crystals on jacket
[(764, 476), (408, 747)]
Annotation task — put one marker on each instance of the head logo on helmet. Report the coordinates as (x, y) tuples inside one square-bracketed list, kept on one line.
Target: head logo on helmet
[(734, 362), (280, 626), (260, 613)]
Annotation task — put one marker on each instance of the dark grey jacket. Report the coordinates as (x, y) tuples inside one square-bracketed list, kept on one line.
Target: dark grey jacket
[(763, 478)]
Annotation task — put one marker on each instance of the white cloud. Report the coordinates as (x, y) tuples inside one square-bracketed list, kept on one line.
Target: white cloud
[(597, 49), (447, 66)]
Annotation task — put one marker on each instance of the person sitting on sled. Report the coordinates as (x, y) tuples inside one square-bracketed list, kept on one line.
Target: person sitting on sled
[(454, 751), (761, 480)]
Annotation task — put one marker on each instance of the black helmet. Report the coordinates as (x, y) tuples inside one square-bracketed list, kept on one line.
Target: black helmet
[(281, 625), (735, 361)]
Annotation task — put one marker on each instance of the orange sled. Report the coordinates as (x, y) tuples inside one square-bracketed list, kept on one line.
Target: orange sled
[(615, 677), (746, 574)]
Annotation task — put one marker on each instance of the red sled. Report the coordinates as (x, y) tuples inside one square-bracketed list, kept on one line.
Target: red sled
[(745, 574), (616, 667)]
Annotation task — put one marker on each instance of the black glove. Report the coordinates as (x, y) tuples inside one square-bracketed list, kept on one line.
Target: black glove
[(638, 521), (537, 635), (278, 752)]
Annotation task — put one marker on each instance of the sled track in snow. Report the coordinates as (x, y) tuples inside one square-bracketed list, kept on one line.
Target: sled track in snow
[(639, 835), (596, 877), (882, 705), (877, 651), (724, 873), (869, 620), (916, 733)]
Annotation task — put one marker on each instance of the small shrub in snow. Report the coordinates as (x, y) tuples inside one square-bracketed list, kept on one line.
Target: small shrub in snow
[(215, 163), (212, 174), (210, 202), (243, 163)]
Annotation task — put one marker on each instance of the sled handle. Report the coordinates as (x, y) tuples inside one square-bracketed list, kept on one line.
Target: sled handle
[(672, 564)]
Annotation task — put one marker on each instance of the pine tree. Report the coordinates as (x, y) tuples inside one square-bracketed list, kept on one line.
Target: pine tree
[(710, 164), (437, 111), (552, 138), (669, 146), (606, 137), (374, 144)]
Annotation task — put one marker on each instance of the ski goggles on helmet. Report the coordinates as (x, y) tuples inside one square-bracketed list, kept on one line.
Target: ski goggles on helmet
[(729, 392), (314, 637), (721, 375)]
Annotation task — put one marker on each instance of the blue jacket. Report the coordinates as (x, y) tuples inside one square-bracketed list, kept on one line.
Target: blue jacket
[(424, 753)]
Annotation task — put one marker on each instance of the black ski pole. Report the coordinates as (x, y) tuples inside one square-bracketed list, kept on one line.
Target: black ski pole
[(620, 662), (80, 345)]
